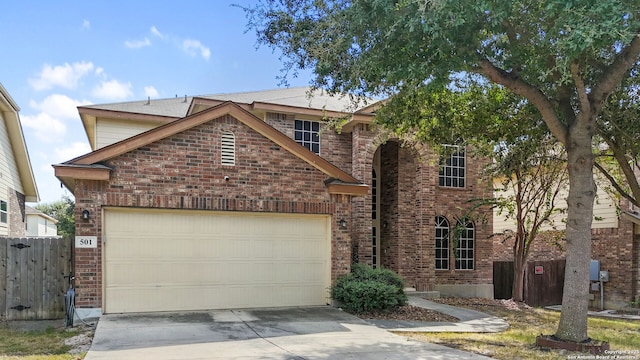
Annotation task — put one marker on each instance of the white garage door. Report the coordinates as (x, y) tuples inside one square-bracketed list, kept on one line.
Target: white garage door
[(196, 260)]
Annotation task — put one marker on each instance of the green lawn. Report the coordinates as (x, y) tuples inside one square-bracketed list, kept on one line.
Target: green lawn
[(36, 345), (525, 324)]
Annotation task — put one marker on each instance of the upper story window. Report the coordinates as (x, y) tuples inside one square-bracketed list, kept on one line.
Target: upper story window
[(452, 167), (4, 218), (442, 243), (307, 134), (466, 246), (228, 149)]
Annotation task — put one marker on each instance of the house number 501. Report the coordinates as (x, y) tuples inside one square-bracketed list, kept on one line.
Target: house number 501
[(86, 241)]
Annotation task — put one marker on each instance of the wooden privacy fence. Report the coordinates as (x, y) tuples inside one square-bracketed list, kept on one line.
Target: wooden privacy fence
[(32, 277), (543, 281)]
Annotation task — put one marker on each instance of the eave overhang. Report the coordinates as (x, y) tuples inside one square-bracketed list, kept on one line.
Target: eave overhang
[(336, 187), (89, 117), (18, 146), (69, 173)]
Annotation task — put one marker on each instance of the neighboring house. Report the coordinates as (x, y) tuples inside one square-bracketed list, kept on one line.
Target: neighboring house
[(249, 200), (615, 235), (40, 224), (17, 183)]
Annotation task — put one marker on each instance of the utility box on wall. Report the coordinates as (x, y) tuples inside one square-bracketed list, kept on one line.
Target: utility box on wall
[(604, 276), (594, 270)]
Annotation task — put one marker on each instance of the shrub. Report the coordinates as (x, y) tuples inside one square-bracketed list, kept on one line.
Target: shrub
[(367, 289)]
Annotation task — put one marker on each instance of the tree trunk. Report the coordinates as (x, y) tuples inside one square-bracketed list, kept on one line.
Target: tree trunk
[(517, 292), (582, 191)]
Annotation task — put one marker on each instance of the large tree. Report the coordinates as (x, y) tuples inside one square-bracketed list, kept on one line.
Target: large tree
[(564, 56)]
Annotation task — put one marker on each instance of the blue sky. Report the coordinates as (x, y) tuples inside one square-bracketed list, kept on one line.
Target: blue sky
[(62, 54)]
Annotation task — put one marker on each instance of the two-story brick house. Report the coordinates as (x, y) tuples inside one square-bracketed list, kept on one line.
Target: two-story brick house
[(249, 200)]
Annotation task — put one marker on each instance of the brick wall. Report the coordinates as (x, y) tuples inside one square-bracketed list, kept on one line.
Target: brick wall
[(454, 203), (410, 200), (334, 147), (184, 172), (17, 216)]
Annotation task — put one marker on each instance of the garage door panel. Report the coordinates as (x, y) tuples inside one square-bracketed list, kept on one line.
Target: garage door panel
[(188, 260)]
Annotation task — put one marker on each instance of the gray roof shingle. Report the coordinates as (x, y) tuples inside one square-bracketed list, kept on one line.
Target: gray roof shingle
[(296, 96)]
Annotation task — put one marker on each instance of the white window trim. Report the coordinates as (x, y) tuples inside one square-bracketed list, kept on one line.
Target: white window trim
[(468, 226), (442, 171), (442, 226)]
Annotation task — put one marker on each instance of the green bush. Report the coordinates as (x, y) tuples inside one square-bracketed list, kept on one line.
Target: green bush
[(367, 289)]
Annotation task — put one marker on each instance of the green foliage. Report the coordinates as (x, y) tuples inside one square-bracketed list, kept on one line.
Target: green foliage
[(63, 211), (367, 289), (372, 46)]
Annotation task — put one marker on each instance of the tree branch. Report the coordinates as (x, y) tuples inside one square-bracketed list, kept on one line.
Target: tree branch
[(627, 170), (583, 96), (531, 93), (615, 184), (615, 73)]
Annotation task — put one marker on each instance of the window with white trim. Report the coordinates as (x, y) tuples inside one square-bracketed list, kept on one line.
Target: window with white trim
[(466, 246), (452, 167), (307, 134), (228, 148), (4, 215), (442, 243)]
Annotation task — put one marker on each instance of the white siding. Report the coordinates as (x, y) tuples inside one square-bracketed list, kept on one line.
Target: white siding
[(9, 178), (604, 209), (40, 226), (109, 131)]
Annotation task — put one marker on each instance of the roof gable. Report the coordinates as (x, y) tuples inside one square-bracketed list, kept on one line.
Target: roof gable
[(18, 145), (91, 161)]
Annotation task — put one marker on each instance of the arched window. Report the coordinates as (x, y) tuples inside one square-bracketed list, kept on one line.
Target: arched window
[(466, 246), (228, 147), (442, 243)]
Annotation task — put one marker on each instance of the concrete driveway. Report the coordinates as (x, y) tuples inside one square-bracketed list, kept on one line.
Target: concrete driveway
[(283, 333)]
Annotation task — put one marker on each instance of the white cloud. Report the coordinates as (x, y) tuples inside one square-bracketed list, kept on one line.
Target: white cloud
[(192, 47), (150, 91), (66, 76), (86, 24), (157, 33), (59, 106), (136, 44), (112, 90), (45, 127), (71, 151)]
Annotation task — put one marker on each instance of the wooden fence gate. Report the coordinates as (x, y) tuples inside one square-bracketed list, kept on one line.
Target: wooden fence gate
[(543, 281), (32, 277)]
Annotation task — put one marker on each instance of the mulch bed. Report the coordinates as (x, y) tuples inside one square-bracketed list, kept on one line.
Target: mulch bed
[(480, 303), (408, 313)]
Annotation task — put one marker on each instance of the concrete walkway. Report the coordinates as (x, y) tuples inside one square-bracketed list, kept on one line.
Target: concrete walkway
[(470, 320), (609, 314)]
